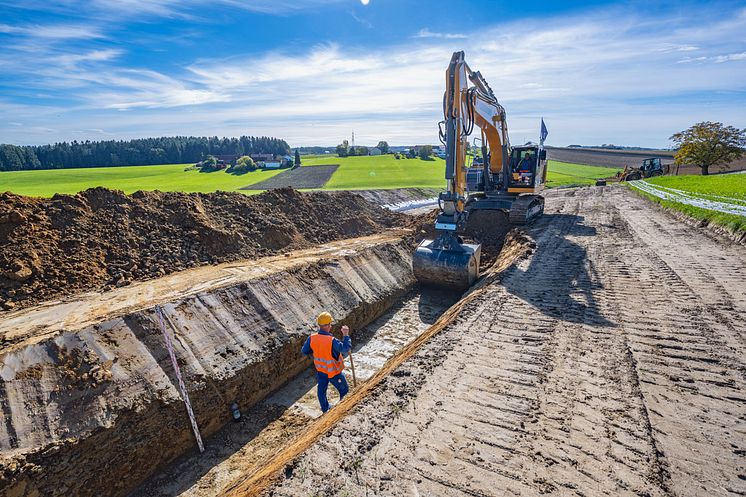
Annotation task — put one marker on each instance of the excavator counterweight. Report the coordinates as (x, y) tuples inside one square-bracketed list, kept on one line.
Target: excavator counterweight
[(506, 181)]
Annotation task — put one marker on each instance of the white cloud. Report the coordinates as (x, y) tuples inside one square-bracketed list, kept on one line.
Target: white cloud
[(54, 31), (365, 2), (121, 9), (726, 58), (426, 33)]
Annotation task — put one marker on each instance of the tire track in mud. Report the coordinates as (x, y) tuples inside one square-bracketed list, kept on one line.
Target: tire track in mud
[(688, 354), (595, 368)]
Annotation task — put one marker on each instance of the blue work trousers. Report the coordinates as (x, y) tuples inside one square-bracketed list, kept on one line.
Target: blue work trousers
[(339, 382)]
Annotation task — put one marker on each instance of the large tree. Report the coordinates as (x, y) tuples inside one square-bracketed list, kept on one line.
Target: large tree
[(343, 149), (297, 158), (708, 144)]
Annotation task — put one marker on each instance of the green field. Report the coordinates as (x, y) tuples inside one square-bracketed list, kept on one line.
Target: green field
[(728, 188), (353, 173), (564, 174), (168, 177), (715, 187), (383, 171)]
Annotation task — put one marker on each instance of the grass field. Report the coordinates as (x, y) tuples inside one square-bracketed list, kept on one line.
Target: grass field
[(168, 177), (728, 188), (354, 173), (564, 173), (384, 171), (715, 187)]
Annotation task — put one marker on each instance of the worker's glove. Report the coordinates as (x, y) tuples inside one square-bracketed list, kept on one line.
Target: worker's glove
[(345, 331)]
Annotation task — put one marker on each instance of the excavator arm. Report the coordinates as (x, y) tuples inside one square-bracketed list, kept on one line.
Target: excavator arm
[(465, 106)]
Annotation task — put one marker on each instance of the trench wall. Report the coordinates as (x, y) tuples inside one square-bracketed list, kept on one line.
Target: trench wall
[(96, 411)]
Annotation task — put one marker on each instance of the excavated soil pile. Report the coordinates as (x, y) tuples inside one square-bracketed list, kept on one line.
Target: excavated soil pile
[(102, 238)]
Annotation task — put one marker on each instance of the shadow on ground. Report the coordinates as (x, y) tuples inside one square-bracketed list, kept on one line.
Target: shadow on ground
[(560, 280)]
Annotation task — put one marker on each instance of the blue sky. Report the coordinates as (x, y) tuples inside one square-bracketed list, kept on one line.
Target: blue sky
[(310, 71)]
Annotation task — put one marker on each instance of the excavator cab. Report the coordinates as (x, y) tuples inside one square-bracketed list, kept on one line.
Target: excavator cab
[(527, 168)]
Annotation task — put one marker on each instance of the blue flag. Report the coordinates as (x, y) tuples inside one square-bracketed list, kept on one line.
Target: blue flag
[(544, 132)]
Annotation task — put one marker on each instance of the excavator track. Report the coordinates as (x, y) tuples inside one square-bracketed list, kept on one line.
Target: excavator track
[(526, 209)]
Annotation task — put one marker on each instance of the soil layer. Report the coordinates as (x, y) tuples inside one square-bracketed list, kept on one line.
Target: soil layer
[(100, 239), (88, 395)]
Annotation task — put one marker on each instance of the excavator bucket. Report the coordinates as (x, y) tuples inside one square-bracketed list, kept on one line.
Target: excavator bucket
[(447, 265)]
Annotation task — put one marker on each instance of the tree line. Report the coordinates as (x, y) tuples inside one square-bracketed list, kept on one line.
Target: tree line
[(144, 151)]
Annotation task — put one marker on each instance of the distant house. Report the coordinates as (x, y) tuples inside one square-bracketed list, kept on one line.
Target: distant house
[(263, 157), (227, 159), (287, 161), (374, 151)]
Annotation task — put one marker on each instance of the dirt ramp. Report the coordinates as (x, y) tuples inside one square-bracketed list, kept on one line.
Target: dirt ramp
[(95, 411), (99, 238)]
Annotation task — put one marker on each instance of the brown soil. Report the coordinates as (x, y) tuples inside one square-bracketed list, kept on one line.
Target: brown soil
[(100, 238)]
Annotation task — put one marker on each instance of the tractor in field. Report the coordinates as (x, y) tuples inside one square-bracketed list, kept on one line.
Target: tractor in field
[(650, 167)]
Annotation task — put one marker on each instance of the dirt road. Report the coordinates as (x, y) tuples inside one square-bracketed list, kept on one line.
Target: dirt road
[(611, 362)]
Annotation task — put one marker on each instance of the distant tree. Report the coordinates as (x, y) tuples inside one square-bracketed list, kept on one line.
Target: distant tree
[(245, 163), (709, 144), (209, 164), (412, 153), (384, 146), (11, 158), (142, 151), (297, 158), (397, 156), (425, 151), (343, 149), (362, 151)]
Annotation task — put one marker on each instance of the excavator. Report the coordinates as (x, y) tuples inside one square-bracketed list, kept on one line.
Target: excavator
[(506, 183)]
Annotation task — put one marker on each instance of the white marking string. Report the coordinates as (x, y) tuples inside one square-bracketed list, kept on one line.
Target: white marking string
[(184, 394)]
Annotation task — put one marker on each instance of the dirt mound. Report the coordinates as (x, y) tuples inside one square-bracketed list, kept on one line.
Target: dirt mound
[(101, 238)]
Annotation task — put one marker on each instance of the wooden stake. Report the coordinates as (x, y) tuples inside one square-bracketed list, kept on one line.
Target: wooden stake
[(352, 365)]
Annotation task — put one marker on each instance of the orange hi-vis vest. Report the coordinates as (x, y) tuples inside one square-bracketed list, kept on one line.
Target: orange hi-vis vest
[(321, 345)]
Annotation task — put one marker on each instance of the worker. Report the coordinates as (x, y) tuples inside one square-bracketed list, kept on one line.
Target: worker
[(328, 358), (524, 169), (525, 165)]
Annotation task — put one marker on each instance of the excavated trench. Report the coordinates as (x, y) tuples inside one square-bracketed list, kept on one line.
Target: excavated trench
[(90, 402), (241, 448), (90, 399)]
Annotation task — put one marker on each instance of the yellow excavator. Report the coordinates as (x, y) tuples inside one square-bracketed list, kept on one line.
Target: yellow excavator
[(507, 183)]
